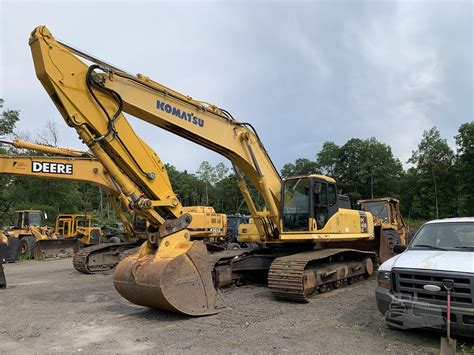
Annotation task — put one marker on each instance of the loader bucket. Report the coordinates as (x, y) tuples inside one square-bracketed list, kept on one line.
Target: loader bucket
[(10, 252), (177, 278), (55, 248)]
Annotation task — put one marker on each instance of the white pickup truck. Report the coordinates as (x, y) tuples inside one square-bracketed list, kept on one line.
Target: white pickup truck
[(411, 290)]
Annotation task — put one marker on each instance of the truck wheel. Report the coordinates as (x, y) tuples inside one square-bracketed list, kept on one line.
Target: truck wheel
[(27, 246)]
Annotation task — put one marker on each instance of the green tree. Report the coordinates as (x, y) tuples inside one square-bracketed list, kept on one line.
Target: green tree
[(433, 160), (8, 120), (207, 174), (302, 166), (465, 169), (368, 168), (327, 158)]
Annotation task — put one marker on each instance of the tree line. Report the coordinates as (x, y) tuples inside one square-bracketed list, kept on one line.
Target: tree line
[(439, 182)]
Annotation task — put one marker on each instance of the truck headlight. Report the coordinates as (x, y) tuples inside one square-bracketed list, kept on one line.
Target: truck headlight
[(383, 279)]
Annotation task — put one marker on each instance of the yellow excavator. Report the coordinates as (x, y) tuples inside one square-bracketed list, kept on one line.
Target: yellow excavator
[(306, 237), (73, 165)]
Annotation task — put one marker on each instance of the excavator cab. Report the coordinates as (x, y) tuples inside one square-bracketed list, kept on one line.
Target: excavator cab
[(308, 202)]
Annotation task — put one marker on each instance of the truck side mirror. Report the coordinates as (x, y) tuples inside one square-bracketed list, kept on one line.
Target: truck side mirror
[(399, 248)]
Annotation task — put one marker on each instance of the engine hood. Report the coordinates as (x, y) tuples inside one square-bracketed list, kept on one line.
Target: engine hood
[(458, 261)]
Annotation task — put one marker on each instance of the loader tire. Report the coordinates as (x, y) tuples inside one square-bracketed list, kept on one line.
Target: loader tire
[(27, 247)]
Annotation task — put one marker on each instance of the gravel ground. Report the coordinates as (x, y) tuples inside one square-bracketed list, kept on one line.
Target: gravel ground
[(48, 307)]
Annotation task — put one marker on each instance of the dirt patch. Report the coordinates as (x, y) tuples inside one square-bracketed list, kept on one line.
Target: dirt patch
[(49, 307)]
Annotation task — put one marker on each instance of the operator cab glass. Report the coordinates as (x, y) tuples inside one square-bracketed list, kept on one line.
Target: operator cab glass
[(24, 219), (377, 208), (307, 200), (296, 195), (83, 221), (34, 218)]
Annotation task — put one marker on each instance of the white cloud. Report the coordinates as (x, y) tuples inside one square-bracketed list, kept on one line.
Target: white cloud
[(301, 72)]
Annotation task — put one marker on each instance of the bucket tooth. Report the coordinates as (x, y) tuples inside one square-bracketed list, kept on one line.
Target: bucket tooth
[(177, 278)]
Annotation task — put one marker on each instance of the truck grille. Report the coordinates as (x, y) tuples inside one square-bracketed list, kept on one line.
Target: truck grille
[(408, 284)]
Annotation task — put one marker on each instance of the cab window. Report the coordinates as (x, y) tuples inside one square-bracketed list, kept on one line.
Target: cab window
[(296, 205)]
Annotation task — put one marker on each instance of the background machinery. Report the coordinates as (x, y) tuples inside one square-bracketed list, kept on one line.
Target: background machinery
[(233, 223), (84, 169), (388, 221), (28, 228), (305, 236), (81, 166)]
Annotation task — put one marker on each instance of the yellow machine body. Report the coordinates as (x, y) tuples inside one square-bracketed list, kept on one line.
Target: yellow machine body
[(78, 226), (299, 212)]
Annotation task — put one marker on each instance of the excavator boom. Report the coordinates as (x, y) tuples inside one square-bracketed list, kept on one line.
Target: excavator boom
[(89, 103), (87, 170)]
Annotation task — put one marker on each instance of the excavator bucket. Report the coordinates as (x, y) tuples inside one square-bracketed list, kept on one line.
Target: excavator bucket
[(176, 278), (55, 248)]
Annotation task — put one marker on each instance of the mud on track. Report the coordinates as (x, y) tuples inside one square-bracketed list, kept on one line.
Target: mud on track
[(49, 307)]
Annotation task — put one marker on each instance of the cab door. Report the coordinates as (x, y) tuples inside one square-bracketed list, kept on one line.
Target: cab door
[(320, 203), (324, 202)]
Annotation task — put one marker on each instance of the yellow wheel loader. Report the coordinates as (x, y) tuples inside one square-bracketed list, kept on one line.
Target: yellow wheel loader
[(307, 239), (388, 220), (28, 228)]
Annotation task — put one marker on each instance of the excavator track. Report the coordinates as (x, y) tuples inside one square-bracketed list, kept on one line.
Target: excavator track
[(100, 257), (296, 277)]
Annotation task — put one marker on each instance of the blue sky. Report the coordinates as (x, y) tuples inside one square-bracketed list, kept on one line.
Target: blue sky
[(300, 72)]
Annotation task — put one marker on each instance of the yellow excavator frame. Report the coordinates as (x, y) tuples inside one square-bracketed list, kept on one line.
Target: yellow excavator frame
[(92, 100)]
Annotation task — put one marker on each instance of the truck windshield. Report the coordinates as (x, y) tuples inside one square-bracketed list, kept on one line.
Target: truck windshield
[(445, 236), (378, 209), (296, 205)]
